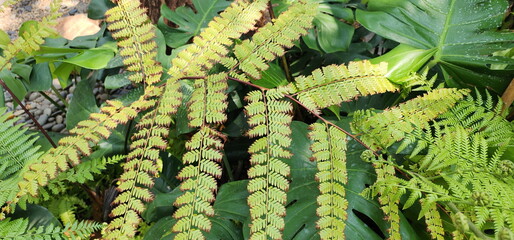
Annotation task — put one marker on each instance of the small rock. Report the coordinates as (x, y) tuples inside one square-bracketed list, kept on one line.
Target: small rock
[(48, 126), (18, 112), (46, 102), (103, 97), (63, 94), (47, 111), (38, 112), (95, 91), (29, 121), (73, 11), (51, 119), (28, 8), (59, 119), (69, 96), (33, 97), (9, 105), (72, 88), (42, 119), (40, 99), (58, 127)]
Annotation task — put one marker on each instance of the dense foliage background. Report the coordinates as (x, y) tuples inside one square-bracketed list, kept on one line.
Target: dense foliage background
[(452, 43)]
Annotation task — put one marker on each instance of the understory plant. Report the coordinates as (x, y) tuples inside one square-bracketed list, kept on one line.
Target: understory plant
[(253, 129)]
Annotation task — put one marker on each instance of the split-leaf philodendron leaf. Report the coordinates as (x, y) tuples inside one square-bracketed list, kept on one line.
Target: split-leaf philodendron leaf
[(463, 34)]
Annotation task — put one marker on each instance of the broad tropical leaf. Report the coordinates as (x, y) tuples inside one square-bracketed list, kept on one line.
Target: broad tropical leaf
[(189, 22), (462, 33)]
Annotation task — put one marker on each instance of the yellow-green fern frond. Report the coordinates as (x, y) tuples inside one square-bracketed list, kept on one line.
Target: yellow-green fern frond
[(334, 84), (86, 134), (433, 220), (385, 128), (389, 196), (210, 47), (329, 151), (198, 184), (270, 119), (31, 39), (270, 40), (208, 101), (134, 32)]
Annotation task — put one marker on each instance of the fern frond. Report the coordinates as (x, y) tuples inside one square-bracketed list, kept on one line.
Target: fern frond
[(87, 133), (270, 119), (198, 184), (334, 84), (16, 146), (19, 229), (78, 174), (32, 38), (389, 196), (329, 151), (385, 128), (269, 41), (134, 33), (208, 101), (433, 220)]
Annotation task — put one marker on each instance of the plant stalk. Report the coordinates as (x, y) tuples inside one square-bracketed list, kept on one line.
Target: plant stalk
[(43, 131)]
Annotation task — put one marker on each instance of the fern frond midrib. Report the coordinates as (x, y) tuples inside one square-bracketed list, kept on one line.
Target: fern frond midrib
[(268, 153), (335, 82)]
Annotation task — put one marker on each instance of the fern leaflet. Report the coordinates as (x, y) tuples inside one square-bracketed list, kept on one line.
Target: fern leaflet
[(270, 119), (329, 151)]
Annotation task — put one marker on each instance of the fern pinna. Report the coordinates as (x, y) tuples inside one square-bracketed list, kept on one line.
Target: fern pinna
[(463, 148)]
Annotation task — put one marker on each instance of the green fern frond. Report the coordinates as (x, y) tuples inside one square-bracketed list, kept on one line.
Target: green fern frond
[(18, 229), (86, 134), (270, 119), (329, 151), (269, 41), (462, 167), (134, 33), (31, 39), (390, 126), (208, 101), (16, 146), (334, 84), (78, 174), (198, 184), (389, 196), (433, 220), (65, 207)]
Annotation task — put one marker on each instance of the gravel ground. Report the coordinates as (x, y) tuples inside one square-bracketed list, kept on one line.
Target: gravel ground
[(13, 16), (45, 112)]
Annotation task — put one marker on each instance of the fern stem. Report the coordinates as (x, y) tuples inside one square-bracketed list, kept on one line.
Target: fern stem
[(52, 101), (59, 96), (43, 131), (229, 169), (283, 59), (471, 225)]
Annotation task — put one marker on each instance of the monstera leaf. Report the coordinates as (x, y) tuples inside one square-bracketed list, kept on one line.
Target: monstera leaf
[(189, 23), (461, 36)]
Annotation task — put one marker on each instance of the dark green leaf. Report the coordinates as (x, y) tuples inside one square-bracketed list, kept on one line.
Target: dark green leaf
[(161, 206), (189, 23), (82, 104), (231, 201), (15, 85), (22, 70), (117, 81), (463, 33), (38, 216), (97, 8), (40, 78)]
